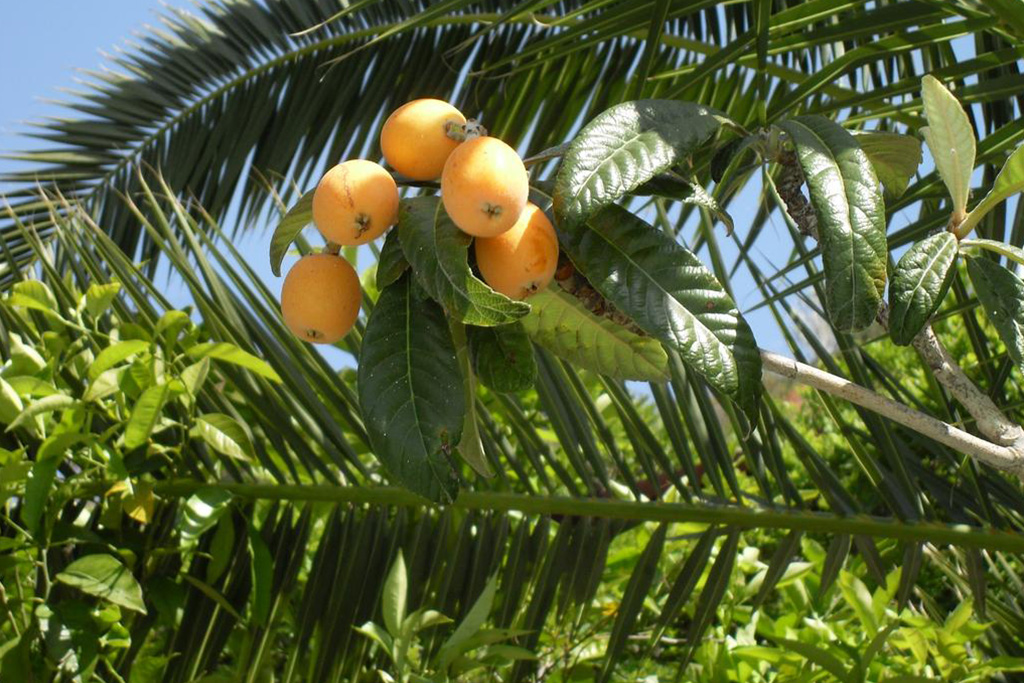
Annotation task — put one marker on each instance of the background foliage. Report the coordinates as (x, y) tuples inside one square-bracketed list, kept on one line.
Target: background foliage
[(189, 495)]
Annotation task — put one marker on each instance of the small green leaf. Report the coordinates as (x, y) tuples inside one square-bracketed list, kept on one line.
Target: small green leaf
[(919, 284), (379, 635), (624, 147), (106, 384), (10, 403), (503, 357), (286, 232), (194, 376), (114, 354), (33, 294), (1009, 182), (667, 292), (170, 325), (145, 416), (850, 210), (44, 471), (894, 157), (25, 360), (950, 138), (396, 588), (1001, 292), (439, 253), (202, 510), (99, 297), (229, 353), (47, 404), (470, 624), (410, 390), (104, 577), (561, 323), (392, 262), (221, 547), (470, 447), (262, 576), (225, 435)]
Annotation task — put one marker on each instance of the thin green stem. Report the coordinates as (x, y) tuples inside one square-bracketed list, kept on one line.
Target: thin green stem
[(750, 518)]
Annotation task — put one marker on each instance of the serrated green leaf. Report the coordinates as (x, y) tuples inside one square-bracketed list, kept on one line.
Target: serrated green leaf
[(104, 577), (396, 588), (114, 354), (1009, 182), (225, 435), (894, 157), (145, 416), (99, 297), (919, 284), (503, 357), (294, 220), (392, 262), (229, 353), (667, 292), (560, 323), (439, 252), (950, 138), (624, 147), (850, 210), (410, 390), (1001, 292)]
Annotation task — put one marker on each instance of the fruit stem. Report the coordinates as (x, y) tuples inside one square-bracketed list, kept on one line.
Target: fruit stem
[(464, 131), (332, 248)]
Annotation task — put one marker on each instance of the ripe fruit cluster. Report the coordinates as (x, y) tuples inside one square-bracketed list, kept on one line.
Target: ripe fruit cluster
[(484, 190)]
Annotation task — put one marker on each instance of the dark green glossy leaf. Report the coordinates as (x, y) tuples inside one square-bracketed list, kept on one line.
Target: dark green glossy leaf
[(1001, 292), (392, 262), (848, 203), (297, 217), (503, 357), (624, 147), (560, 323), (105, 577), (667, 291), (894, 157), (40, 481), (439, 252), (674, 186), (410, 390), (919, 284)]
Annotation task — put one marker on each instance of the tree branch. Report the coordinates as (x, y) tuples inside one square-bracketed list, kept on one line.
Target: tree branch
[(1001, 457), (1004, 449)]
